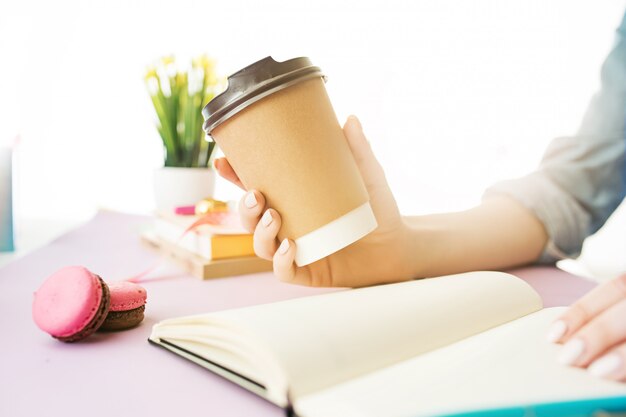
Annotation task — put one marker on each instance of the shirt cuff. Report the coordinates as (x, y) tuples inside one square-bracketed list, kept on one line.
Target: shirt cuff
[(565, 221)]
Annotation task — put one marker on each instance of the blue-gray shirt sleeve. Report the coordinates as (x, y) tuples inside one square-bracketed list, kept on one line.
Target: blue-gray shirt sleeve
[(581, 179)]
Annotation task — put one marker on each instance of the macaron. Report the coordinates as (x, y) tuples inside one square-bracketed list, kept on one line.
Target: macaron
[(71, 304), (127, 307)]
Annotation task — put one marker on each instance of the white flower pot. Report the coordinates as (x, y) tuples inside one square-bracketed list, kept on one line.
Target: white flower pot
[(175, 187)]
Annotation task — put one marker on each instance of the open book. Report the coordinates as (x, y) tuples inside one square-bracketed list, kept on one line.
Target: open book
[(427, 347)]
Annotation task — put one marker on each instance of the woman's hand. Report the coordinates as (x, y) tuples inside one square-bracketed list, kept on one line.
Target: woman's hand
[(385, 255), (593, 331)]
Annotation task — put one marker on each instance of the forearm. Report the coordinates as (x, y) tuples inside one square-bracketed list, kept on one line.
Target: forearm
[(500, 233)]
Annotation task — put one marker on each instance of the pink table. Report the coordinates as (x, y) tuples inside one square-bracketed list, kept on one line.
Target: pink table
[(118, 374)]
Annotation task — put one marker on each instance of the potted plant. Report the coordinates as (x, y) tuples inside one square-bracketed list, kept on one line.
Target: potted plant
[(178, 98)]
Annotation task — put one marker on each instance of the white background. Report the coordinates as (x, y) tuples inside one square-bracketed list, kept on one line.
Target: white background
[(453, 94)]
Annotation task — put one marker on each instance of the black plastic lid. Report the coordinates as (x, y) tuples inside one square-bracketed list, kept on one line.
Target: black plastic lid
[(254, 82)]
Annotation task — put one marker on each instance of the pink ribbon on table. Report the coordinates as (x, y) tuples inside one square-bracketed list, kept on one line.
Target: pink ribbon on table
[(213, 219)]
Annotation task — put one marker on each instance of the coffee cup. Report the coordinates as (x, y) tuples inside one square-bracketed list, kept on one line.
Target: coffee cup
[(277, 127)]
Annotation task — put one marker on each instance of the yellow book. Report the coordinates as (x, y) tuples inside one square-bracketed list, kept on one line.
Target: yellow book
[(208, 241), (204, 268)]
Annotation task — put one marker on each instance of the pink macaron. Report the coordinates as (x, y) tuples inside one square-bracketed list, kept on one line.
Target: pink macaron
[(71, 304), (74, 302)]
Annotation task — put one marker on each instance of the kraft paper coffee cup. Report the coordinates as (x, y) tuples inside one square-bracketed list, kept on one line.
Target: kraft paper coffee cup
[(278, 129)]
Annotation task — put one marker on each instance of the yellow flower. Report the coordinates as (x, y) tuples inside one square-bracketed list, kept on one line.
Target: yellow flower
[(151, 72), (203, 61), (168, 60)]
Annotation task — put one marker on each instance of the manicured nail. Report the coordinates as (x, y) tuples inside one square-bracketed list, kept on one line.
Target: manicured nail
[(357, 121), (556, 331), (250, 200), (266, 220), (606, 365), (284, 247), (571, 351)]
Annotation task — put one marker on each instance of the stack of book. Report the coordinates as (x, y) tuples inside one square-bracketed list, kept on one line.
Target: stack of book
[(209, 250)]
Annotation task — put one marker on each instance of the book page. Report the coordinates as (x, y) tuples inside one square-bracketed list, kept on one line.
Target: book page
[(323, 340), (507, 366)]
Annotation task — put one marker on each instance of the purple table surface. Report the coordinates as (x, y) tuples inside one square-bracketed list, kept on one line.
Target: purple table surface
[(119, 374)]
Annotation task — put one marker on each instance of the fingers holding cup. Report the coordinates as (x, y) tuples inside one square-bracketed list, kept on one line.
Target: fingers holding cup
[(285, 267), (226, 171), (265, 242), (251, 207)]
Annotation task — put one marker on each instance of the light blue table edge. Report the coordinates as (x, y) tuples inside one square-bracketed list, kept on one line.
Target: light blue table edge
[(605, 406)]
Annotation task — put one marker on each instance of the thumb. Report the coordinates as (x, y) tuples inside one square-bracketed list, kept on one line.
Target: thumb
[(371, 170)]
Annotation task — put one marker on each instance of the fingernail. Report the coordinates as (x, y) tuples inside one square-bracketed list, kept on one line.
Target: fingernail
[(556, 331), (284, 247), (266, 220), (606, 365), (250, 200), (357, 121), (571, 351)]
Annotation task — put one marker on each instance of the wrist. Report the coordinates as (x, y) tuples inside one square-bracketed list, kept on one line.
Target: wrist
[(419, 241)]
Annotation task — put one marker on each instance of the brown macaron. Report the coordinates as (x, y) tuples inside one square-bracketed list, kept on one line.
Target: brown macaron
[(127, 306)]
